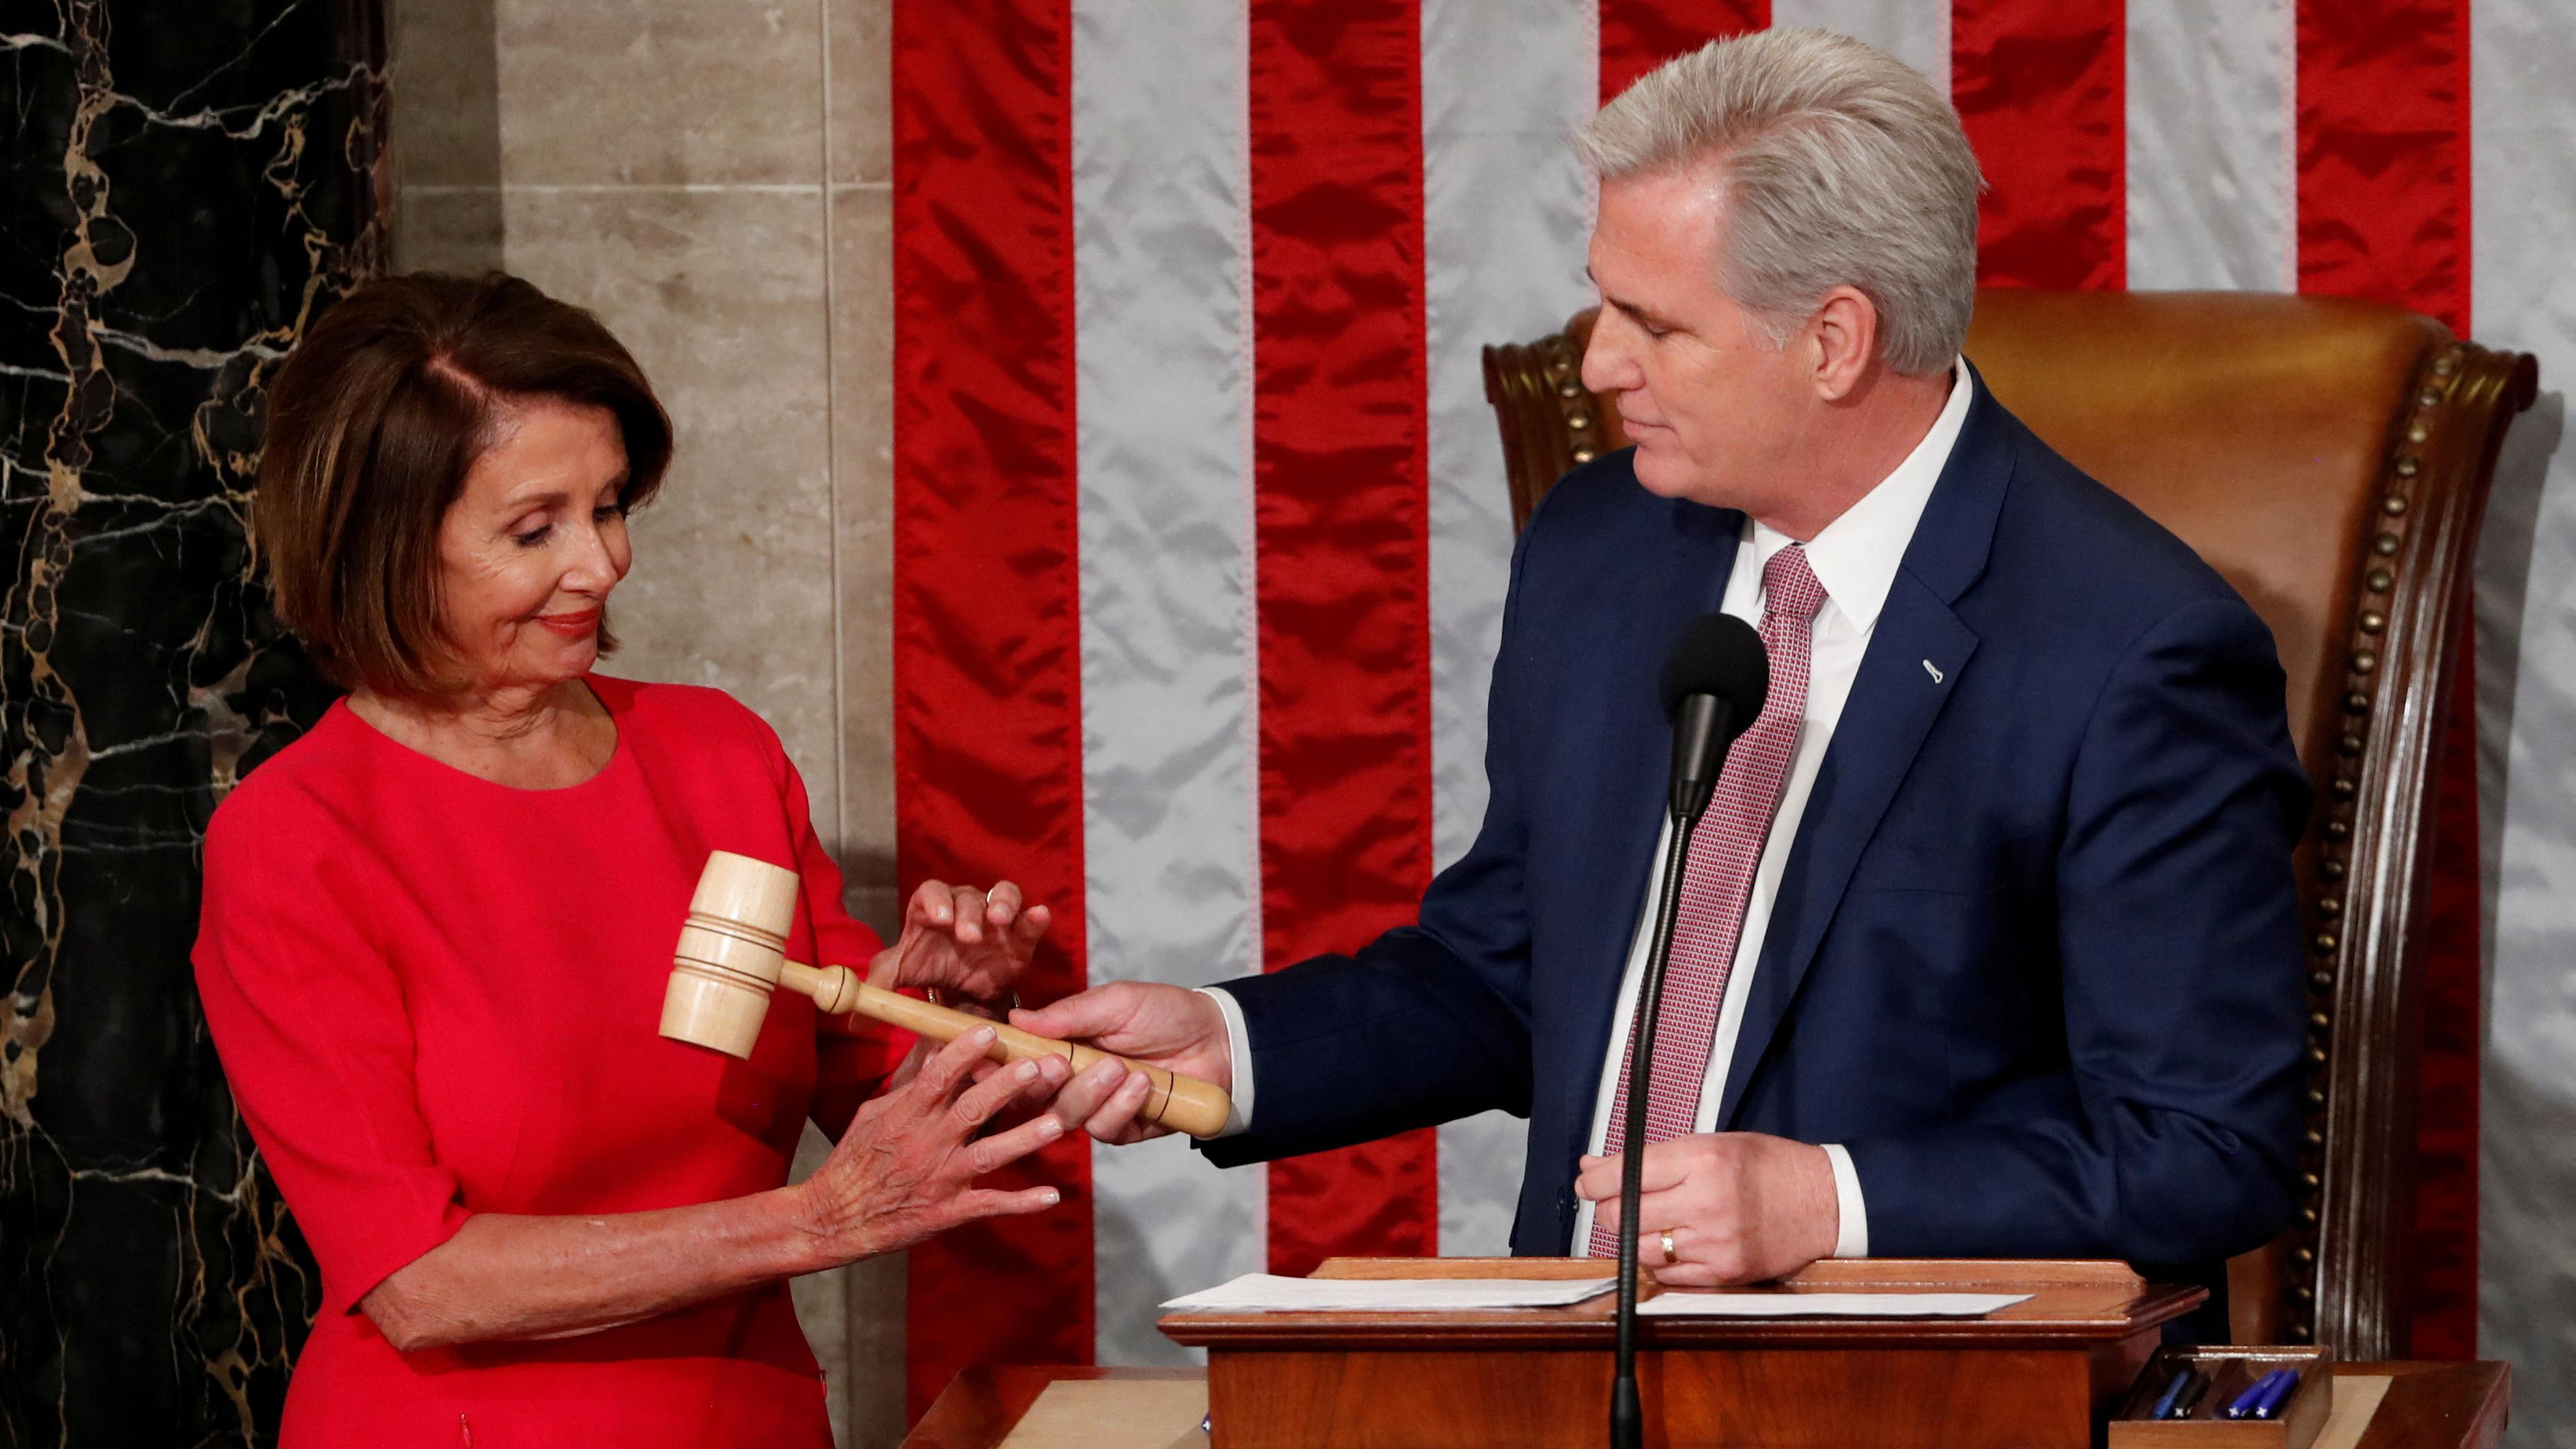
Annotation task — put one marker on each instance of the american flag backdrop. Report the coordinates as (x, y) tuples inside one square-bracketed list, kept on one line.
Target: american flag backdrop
[(1201, 530)]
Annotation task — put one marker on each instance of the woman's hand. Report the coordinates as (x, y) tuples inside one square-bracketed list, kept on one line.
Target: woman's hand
[(907, 1167), (958, 938)]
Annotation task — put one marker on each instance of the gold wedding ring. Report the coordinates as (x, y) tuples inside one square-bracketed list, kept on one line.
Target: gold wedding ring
[(1670, 1257)]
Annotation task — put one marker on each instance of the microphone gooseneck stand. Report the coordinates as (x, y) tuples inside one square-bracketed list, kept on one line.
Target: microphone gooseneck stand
[(1700, 738)]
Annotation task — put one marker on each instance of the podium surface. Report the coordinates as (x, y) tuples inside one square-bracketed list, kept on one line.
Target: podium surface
[(2041, 1371)]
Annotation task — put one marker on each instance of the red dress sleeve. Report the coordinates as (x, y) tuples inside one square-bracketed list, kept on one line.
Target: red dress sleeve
[(307, 1013), (853, 1055)]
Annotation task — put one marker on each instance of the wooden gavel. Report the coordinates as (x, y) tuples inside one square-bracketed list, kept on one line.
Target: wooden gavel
[(733, 953)]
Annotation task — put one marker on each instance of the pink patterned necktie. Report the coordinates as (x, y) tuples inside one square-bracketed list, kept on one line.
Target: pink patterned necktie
[(1719, 876)]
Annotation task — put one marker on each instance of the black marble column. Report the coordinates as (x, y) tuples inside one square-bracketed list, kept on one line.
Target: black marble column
[(186, 186)]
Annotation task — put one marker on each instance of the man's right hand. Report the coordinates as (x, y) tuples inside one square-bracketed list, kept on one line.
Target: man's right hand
[(1164, 1026)]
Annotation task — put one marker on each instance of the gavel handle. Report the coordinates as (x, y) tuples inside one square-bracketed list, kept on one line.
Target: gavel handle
[(1184, 1104)]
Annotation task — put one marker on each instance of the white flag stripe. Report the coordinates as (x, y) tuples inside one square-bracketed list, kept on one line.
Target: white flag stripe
[(2523, 119), (2212, 173), (1506, 212), (1162, 359), (1916, 32)]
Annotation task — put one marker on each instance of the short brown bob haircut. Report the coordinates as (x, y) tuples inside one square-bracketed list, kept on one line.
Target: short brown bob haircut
[(373, 423)]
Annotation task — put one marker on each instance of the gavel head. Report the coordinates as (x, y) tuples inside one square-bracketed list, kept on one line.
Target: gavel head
[(730, 953)]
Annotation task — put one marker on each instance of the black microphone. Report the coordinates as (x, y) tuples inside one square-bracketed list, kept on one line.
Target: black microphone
[(1714, 682)]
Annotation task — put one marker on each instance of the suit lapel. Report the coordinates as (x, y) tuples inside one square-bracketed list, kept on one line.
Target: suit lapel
[(1917, 654), (1892, 706)]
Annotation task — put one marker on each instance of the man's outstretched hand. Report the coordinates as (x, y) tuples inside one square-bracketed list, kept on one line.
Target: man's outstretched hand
[(1164, 1026)]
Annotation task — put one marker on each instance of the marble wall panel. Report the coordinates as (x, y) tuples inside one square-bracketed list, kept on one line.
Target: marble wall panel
[(863, 478), (660, 92), (860, 43), (446, 72), (186, 189), (718, 293), (449, 229)]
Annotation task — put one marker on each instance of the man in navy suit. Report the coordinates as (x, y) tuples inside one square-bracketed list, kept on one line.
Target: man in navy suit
[(1988, 945)]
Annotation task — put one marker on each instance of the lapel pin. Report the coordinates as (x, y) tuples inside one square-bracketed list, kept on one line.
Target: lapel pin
[(1935, 673)]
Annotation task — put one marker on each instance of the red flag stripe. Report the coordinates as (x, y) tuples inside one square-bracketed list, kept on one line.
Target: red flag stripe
[(988, 708), (2041, 88), (1341, 551), (2384, 209), (1638, 35), (2383, 152)]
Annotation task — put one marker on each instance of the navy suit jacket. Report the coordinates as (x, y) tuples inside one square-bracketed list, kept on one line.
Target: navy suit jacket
[(2035, 958)]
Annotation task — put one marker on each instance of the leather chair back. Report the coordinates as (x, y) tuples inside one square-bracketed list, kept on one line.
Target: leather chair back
[(2332, 459)]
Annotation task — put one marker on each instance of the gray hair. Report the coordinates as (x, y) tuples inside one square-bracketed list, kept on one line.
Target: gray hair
[(1841, 167)]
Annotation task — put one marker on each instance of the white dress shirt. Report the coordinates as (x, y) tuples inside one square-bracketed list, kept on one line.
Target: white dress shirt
[(1856, 558)]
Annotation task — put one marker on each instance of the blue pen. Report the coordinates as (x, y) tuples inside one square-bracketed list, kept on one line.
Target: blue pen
[(2190, 1399), (2172, 1394), (2279, 1396), (2242, 1406)]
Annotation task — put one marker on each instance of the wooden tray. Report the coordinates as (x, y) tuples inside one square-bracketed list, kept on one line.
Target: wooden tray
[(2231, 1368)]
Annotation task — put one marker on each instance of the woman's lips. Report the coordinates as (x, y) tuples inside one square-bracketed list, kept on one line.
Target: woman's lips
[(572, 626)]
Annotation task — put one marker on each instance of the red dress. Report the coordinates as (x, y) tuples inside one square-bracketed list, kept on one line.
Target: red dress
[(437, 996)]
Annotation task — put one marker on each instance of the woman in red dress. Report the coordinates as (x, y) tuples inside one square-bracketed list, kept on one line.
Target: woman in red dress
[(437, 928)]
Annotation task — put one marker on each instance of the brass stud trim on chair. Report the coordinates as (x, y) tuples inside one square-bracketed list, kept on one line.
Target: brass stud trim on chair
[(2371, 621)]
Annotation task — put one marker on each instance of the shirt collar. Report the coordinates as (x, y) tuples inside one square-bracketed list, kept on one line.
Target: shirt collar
[(1857, 555)]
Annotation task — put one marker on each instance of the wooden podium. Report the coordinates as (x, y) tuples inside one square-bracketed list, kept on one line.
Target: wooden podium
[(2042, 1372)]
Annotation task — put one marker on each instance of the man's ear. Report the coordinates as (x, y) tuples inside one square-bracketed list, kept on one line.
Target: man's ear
[(1844, 333)]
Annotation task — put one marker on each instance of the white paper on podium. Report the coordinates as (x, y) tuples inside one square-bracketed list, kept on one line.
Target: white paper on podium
[(1265, 1293), (1673, 1303)]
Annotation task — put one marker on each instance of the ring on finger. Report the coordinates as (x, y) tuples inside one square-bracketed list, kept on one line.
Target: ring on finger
[(1671, 1254)]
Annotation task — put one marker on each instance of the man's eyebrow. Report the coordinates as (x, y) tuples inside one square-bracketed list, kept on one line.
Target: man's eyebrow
[(1645, 316)]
